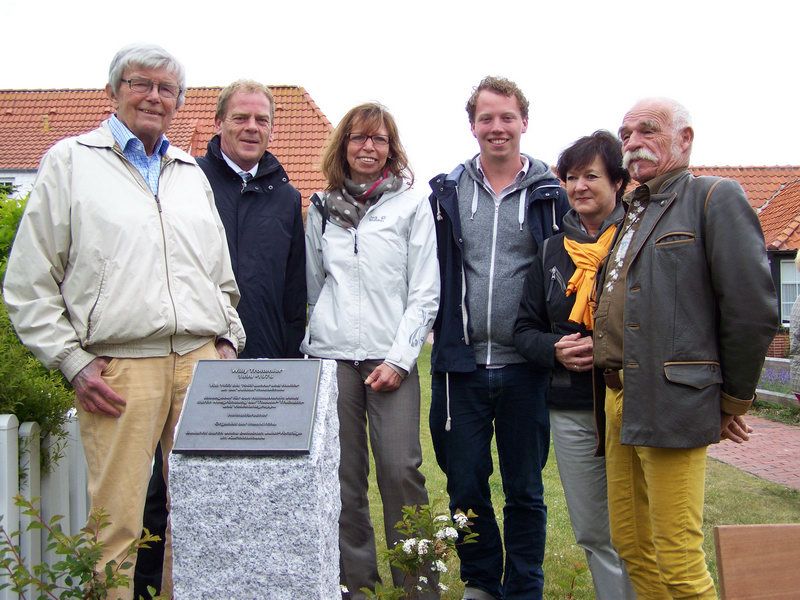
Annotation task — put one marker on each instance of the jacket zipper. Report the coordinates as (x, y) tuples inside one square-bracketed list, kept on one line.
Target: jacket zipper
[(491, 286), (166, 267), (555, 276), (140, 180)]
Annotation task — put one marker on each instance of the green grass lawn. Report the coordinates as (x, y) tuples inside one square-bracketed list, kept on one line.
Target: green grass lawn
[(732, 497)]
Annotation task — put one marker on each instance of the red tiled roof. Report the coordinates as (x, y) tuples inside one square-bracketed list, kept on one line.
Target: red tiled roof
[(759, 183), (780, 218), (33, 120)]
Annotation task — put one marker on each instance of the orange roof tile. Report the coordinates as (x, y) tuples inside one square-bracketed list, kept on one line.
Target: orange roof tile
[(780, 218), (31, 121), (759, 183)]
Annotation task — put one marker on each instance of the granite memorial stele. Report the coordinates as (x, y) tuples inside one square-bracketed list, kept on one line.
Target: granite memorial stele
[(254, 482)]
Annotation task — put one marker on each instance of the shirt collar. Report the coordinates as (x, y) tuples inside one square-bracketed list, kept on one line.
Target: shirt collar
[(124, 136), (655, 185), (236, 168), (526, 164)]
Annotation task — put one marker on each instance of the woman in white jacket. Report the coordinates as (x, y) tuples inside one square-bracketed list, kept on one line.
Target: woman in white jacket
[(373, 292)]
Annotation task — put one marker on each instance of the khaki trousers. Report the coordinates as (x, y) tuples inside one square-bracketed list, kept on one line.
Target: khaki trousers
[(655, 503), (119, 451)]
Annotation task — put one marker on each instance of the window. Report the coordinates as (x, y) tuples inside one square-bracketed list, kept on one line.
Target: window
[(6, 185), (790, 288)]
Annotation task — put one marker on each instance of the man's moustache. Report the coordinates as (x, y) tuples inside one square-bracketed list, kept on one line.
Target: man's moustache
[(640, 154)]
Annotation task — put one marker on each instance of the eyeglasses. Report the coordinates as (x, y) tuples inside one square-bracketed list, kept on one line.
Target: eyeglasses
[(140, 85), (360, 139)]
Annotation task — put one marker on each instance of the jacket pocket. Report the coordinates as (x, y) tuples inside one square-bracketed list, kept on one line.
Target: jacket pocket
[(96, 310), (675, 237), (697, 374)]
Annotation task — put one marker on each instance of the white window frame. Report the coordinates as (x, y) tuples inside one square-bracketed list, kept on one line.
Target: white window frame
[(7, 182), (790, 288)]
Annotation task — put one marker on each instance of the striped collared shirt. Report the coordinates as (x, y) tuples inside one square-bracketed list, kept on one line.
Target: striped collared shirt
[(133, 149)]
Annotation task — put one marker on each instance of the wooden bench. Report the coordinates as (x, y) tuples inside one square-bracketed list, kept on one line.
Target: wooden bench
[(758, 561)]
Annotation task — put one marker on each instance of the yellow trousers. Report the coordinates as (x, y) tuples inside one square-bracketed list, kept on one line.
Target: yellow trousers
[(119, 451), (655, 504)]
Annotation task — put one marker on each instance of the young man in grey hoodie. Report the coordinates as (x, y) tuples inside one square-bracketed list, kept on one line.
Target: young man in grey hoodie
[(492, 213)]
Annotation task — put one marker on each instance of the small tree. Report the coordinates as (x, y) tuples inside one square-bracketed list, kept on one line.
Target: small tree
[(76, 574)]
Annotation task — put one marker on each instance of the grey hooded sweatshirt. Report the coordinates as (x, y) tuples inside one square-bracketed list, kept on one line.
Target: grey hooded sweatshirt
[(498, 249)]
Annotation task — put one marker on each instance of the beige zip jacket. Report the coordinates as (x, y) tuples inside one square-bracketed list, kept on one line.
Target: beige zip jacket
[(102, 267)]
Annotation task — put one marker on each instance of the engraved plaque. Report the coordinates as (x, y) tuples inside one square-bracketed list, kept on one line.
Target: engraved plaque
[(250, 407)]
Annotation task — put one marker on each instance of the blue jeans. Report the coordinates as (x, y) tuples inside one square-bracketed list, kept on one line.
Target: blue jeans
[(511, 403)]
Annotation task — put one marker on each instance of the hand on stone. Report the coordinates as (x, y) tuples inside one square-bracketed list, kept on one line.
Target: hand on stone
[(225, 350)]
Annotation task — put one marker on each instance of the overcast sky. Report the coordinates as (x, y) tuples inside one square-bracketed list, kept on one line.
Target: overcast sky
[(581, 64)]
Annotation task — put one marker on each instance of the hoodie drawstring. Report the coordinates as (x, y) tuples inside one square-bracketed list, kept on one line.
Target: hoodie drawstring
[(523, 193), (447, 395), (553, 210), (474, 200)]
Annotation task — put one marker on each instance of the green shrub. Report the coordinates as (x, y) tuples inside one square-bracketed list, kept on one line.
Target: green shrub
[(77, 574), (10, 213), (27, 389)]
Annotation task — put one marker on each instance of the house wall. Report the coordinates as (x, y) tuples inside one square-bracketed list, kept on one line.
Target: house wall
[(782, 288), (21, 180)]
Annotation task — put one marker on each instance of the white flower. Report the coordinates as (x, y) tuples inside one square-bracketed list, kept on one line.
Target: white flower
[(439, 566), (441, 518), (423, 579), (460, 519), (409, 545), (422, 546), (344, 589), (443, 587), (446, 533)]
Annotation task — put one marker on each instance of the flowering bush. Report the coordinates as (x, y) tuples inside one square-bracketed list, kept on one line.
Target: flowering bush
[(430, 538), (775, 379)]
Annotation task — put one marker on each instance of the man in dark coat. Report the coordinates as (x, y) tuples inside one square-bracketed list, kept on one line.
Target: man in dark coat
[(261, 212)]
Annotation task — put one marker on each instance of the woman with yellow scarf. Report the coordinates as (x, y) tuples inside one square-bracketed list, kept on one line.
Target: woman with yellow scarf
[(553, 331)]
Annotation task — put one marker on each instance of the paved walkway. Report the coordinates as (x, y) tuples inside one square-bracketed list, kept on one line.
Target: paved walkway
[(773, 452)]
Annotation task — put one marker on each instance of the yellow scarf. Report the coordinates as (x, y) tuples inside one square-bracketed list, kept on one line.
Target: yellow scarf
[(587, 258)]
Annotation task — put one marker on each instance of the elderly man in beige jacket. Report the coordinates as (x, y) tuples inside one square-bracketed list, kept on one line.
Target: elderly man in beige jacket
[(120, 277)]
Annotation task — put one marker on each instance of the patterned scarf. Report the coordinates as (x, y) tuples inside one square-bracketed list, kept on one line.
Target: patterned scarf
[(587, 258), (349, 205)]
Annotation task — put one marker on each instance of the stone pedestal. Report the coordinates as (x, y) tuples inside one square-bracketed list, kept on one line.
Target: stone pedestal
[(260, 527)]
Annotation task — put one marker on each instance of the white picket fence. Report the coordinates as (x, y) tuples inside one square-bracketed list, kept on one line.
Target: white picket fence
[(60, 492)]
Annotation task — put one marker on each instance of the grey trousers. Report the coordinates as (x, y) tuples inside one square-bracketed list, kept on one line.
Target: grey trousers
[(392, 420), (583, 476)]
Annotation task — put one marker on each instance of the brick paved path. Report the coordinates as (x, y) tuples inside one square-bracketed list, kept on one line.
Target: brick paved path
[(773, 452)]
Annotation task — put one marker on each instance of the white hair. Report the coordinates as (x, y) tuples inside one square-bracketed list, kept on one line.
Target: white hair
[(681, 118), (146, 56)]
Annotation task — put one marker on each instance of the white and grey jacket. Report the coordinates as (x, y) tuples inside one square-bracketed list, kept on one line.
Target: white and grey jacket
[(102, 267), (373, 291)]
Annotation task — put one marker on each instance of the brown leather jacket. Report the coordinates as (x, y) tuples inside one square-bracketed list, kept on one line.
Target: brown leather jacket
[(700, 312)]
